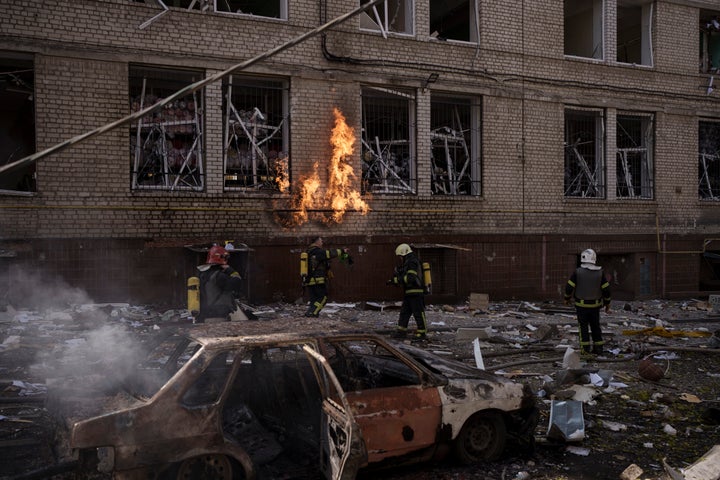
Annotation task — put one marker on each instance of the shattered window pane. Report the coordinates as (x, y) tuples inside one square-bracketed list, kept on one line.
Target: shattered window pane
[(454, 20), (709, 41), (635, 139), (256, 134), (709, 159), (584, 28), (17, 122), (166, 146), (388, 16), (455, 134), (388, 162), (634, 32), (584, 166)]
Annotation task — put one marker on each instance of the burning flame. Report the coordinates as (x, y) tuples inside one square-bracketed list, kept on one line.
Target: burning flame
[(340, 194)]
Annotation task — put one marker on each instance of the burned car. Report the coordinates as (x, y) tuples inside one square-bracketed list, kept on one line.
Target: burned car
[(213, 403)]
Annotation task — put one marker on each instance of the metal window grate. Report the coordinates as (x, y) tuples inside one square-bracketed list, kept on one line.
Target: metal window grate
[(709, 160), (388, 163), (584, 166), (454, 134), (256, 134)]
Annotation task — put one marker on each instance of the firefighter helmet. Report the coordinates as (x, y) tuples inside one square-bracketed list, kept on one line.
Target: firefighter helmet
[(403, 249), (217, 255), (588, 256)]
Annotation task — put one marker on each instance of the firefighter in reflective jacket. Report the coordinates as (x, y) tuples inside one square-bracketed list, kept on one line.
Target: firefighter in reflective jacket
[(589, 288), (219, 283), (318, 274), (409, 276)]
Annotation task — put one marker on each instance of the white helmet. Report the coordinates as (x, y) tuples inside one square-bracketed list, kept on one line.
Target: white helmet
[(588, 256), (403, 249)]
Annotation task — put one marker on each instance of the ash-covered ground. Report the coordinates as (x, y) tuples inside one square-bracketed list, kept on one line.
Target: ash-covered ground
[(647, 429)]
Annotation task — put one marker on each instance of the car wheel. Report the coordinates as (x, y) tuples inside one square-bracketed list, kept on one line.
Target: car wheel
[(482, 438), (208, 467)]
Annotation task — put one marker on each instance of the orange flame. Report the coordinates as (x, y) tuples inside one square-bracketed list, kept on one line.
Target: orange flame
[(340, 194), (282, 177)]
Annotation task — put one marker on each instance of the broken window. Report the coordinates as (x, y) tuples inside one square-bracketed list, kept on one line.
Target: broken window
[(584, 165), (166, 146), (388, 162), (709, 41), (17, 121), (584, 28), (454, 20), (634, 32), (256, 133), (455, 137), (709, 159), (635, 138), (388, 16), (259, 8)]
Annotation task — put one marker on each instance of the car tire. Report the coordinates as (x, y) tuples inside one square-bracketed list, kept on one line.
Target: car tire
[(209, 467), (481, 439)]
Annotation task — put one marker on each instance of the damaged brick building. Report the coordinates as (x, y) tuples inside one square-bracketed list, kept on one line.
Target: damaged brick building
[(499, 138)]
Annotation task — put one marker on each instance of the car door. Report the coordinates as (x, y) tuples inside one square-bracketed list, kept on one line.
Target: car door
[(398, 411), (342, 448)]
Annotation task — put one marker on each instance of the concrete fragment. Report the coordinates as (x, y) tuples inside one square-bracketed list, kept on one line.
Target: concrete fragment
[(465, 334), (706, 467), (479, 301), (632, 472)]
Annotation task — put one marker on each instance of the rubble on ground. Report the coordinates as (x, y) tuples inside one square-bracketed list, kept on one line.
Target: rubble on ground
[(637, 424)]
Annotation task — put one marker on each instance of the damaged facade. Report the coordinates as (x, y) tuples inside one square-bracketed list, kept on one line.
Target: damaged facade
[(503, 137)]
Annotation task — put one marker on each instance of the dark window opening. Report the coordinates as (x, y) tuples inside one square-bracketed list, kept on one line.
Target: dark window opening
[(709, 41), (584, 28), (453, 20), (259, 8), (634, 32), (584, 164), (17, 122), (709, 160)]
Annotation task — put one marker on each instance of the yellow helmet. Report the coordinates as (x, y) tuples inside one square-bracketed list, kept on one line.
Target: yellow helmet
[(403, 249)]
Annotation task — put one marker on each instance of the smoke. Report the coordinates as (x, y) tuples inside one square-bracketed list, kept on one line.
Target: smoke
[(34, 290), (80, 339)]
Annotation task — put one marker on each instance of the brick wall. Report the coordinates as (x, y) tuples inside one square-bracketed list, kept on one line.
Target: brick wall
[(82, 51)]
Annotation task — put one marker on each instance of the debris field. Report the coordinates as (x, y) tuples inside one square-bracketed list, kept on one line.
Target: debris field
[(649, 407)]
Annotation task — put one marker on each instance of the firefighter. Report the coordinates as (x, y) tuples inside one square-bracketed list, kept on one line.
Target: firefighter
[(219, 284), (318, 274), (589, 288), (409, 277)]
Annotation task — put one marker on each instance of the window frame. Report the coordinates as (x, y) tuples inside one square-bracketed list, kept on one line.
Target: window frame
[(472, 17), (20, 130), (376, 153), (273, 177), (597, 22), (645, 149), (705, 170), (162, 161), (646, 32), (375, 19), (595, 181), (452, 138), (212, 6)]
